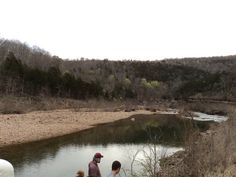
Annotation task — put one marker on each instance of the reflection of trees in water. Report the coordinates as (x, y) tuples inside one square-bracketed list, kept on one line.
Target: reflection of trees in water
[(167, 129), (163, 129), (30, 153)]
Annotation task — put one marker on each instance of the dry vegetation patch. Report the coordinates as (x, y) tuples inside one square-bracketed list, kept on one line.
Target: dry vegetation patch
[(206, 154), (18, 105)]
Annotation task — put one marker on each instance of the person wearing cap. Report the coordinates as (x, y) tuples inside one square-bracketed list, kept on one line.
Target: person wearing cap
[(116, 165), (6, 169), (93, 169)]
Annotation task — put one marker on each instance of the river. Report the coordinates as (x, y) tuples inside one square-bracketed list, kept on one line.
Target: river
[(120, 140)]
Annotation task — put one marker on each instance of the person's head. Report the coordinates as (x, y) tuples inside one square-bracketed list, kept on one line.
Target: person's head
[(80, 174), (97, 157), (116, 165)]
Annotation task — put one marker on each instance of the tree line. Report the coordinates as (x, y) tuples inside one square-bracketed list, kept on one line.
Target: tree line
[(32, 71), (19, 79)]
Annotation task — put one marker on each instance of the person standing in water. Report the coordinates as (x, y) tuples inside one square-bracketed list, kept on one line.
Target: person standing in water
[(6, 169), (93, 169), (116, 165)]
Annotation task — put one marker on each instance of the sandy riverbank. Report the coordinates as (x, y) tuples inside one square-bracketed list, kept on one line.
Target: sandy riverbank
[(33, 126)]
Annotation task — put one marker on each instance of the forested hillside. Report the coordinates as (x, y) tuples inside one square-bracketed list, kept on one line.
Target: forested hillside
[(33, 71)]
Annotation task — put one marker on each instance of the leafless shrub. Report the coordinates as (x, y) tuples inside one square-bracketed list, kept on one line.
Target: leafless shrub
[(144, 163), (212, 152), (207, 154)]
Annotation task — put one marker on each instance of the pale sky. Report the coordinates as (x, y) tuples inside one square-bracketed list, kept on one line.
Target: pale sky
[(123, 29)]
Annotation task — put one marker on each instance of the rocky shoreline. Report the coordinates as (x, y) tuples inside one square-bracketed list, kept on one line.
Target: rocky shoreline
[(39, 125)]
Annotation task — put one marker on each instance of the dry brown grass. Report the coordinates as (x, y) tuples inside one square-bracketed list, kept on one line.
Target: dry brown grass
[(208, 154), (18, 105), (11, 104), (215, 152)]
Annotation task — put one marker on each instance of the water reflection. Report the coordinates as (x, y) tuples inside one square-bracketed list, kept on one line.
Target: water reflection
[(62, 157)]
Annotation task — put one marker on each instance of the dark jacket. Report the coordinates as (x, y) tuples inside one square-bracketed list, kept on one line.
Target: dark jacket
[(93, 170)]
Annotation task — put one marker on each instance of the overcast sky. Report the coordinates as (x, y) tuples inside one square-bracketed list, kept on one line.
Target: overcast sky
[(122, 29)]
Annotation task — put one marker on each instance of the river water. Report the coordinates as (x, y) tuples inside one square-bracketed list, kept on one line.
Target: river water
[(121, 140)]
